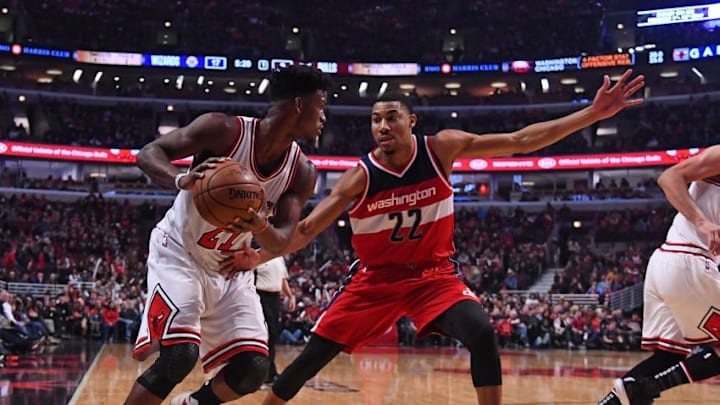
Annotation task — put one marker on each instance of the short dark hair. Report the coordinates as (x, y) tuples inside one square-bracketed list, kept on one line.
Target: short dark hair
[(297, 81), (400, 98)]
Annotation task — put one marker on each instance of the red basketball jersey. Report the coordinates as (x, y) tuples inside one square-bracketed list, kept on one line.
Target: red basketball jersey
[(404, 218)]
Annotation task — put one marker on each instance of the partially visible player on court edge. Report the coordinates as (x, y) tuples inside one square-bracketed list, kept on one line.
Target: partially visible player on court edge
[(193, 311), (682, 288), (271, 279), (403, 223)]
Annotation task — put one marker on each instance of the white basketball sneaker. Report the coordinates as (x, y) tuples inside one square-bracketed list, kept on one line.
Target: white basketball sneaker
[(184, 399)]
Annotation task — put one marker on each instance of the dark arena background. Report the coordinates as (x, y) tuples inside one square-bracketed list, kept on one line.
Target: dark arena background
[(554, 244)]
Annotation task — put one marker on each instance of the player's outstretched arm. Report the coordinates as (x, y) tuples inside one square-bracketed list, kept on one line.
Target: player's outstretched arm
[(609, 100), (674, 183), (350, 186), (212, 132)]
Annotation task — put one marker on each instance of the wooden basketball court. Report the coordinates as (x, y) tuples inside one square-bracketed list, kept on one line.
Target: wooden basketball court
[(419, 377)]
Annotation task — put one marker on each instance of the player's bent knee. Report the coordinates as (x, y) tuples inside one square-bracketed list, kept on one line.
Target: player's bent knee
[(245, 372), (171, 367)]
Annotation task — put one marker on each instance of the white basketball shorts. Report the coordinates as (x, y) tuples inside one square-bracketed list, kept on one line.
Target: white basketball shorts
[(682, 299), (187, 304)]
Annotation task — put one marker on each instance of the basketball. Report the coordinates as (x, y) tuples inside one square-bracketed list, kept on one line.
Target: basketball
[(227, 192)]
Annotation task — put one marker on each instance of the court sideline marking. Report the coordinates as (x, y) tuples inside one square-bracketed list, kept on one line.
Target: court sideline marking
[(81, 386)]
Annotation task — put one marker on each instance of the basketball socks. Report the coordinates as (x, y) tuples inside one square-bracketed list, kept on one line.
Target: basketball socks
[(205, 395), (659, 361), (702, 364)]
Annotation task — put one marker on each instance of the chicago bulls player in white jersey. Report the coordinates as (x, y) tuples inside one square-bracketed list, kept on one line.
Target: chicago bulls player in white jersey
[(403, 224), (192, 310), (682, 288)]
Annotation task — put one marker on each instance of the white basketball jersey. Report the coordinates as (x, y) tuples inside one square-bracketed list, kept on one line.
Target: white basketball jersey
[(204, 241), (706, 194)]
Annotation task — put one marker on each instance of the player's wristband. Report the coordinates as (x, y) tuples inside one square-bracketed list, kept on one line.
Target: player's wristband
[(263, 229), (177, 179)]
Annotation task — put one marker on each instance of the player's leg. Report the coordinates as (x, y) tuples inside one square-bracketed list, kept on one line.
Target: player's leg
[(317, 354), (694, 298), (661, 333), (170, 324), (468, 322), (171, 367), (271, 306), (361, 312), (234, 338)]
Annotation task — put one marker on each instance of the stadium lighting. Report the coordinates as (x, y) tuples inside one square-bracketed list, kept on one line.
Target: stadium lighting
[(295, 30), (54, 72), (341, 223), (166, 80), (179, 82), (454, 114), (568, 80), (669, 74), (579, 89), (407, 86), (141, 79), (523, 86), (167, 24), (252, 84), (498, 85), (21, 98), (699, 74), (343, 87), (453, 85), (7, 68), (248, 92), (210, 82), (263, 86), (116, 78), (98, 76), (453, 31), (383, 89), (362, 90), (170, 108), (5, 10), (200, 80), (620, 26), (545, 85), (335, 95), (77, 74), (577, 224)]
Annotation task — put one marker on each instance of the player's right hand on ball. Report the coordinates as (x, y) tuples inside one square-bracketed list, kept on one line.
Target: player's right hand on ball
[(187, 181), (237, 261)]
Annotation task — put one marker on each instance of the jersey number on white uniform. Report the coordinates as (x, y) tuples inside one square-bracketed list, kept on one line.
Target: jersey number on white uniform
[(210, 240)]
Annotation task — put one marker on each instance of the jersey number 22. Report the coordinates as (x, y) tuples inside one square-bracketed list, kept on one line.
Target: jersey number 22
[(415, 215)]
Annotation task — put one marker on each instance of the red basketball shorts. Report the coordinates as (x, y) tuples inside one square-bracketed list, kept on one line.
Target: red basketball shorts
[(374, 300)]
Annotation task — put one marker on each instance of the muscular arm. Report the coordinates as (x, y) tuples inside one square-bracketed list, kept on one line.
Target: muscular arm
[(451, 144), (349, 187), (211, 133), (276, 238), (674, 182), (459, 144)]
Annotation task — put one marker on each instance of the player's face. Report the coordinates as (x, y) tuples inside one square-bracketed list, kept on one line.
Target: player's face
[(391, 125), (311, 120)]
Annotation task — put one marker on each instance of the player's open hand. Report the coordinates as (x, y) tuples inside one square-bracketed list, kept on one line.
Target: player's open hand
[(610, 100), (187, 181), (237, 261), (711, 233), (255, 222)]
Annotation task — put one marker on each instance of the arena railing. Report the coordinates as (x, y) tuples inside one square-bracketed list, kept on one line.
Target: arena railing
[(627, 299), (40, 290)]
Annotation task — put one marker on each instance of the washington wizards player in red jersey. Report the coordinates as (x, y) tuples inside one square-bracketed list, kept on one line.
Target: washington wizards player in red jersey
[(401, 213)]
